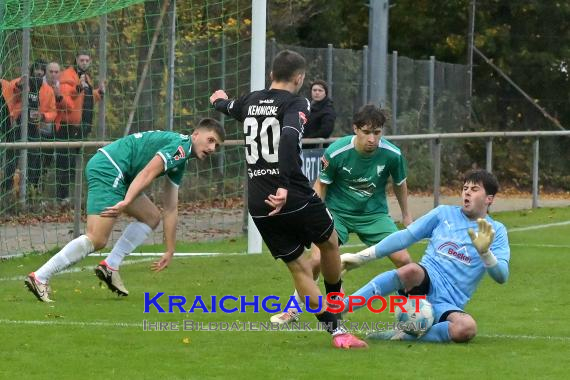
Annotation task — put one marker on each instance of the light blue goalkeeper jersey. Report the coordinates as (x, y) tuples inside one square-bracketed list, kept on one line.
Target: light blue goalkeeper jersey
[(451, 255)]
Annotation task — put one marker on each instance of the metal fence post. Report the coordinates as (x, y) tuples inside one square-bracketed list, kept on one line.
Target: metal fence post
[(330, 69), (101, 125), (26, 43), (378, 42), (77, 192), (170, 69), (436, 171), (489, 155), (273, 49), (395, 92), (535, 173), (364, 74), (222, 153), (1, 36), (431, 119)]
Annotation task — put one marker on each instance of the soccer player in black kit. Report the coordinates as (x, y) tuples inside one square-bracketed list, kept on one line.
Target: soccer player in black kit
[(285, 209)]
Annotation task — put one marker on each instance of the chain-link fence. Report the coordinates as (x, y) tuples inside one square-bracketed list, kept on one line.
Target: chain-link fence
[(158, 62)]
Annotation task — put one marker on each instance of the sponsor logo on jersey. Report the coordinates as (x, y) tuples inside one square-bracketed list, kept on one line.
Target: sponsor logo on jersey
[(347, 169), (363, 187), (455, 252), (180, 153), (259, 172), (266, 101)]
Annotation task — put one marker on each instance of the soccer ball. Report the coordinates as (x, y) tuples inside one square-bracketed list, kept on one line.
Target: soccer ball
[(412, 322)]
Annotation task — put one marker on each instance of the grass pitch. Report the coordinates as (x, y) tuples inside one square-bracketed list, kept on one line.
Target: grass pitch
[(89, 333)]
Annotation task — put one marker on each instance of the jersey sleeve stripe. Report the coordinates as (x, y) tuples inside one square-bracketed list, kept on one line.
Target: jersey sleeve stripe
[(343, 149), (383, 144), (401, 182)]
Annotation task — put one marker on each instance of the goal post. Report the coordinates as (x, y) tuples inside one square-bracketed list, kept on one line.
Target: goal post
[(257, 79)]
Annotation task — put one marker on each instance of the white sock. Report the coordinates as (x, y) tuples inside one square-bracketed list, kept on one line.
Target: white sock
[(74, 251), (134, 235)]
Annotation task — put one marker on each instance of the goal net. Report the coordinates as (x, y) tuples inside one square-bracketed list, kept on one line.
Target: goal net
[(158, 61)]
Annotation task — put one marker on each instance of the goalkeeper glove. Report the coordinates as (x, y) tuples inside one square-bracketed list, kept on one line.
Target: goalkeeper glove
[(350, 261), (482, 240)]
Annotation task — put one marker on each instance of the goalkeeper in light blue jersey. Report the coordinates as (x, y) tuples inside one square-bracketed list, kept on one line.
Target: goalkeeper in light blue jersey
[(464, 244)]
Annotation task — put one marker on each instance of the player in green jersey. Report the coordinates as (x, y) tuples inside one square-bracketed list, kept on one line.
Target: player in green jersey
[(354, 173), (116, 177)]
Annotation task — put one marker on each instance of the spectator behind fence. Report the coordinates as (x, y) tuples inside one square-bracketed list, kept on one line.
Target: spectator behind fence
[(4, 129), (41, 111), (52, 78), (75, 117), (47, 130), (323, 115)]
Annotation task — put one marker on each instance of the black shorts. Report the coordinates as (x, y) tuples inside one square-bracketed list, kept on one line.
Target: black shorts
[(287, 235)]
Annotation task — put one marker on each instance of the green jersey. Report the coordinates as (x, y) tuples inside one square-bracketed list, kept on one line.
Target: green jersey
[(131, 154), (357, 182)]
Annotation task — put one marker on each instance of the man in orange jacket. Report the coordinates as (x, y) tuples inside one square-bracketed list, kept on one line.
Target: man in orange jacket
[(41, 110), (75, 117)]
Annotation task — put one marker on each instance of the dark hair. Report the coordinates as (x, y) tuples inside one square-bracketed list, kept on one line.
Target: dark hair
[(480, 176), (286, 64), (82, 52), (212, 125), (322, 83), (38, 64), (371, 115)]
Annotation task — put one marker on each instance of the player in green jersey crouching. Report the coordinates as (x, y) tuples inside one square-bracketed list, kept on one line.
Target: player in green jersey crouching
[(354, 173), (116, 177)]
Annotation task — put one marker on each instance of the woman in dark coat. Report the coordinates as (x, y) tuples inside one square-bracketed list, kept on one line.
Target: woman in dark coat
[(323, 115)]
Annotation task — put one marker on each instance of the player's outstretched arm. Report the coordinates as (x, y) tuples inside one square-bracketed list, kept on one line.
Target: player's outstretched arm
[(169, 222), (350, 261), (401, 192), (393, 243), (482, 240)]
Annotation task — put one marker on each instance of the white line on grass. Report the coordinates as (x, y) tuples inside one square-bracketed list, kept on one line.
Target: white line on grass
[(69, 323), (79, 269), (140, 325), (540, 245), (519, 229), (538, 226), (128, 262), (525, 337)]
